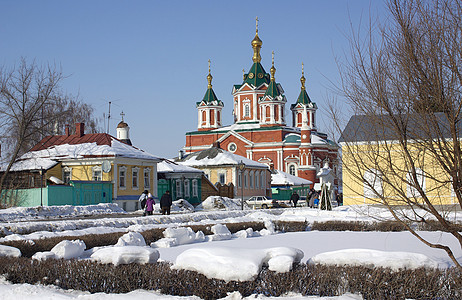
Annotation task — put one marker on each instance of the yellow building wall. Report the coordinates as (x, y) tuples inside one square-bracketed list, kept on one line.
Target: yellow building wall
[(373, 155), (129, 190)]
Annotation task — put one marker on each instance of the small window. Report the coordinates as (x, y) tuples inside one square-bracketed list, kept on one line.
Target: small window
[(239, 179), (246, 180), (195, 191), (135, 178), (122, 177), (222, 178), (251, 179), (186, 188), (97, 174), (257, 179), (67, 175), (147, 178), (178, 188)]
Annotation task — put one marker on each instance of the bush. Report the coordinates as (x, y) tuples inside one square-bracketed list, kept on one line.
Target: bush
[(378, 283)]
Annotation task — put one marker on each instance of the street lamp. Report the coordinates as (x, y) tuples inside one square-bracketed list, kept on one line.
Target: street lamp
[(241, 167)]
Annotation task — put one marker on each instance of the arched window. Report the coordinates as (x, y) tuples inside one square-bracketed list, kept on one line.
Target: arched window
[(218, 118), (299, 119), (246, 110), (212, 117), (292, 170), (276, 114), (268, 113), (204, 117)]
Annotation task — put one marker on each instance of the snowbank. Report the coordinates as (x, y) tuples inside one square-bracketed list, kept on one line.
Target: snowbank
[(178, 236), (51, 212), (374, 258), (131, 239), (222, 203), (236, 263), (64, 249), (9, 251), (126, 255)]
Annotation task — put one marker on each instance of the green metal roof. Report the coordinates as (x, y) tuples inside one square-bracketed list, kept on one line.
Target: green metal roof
[(273, 90), (210, 97), (303, 97), (257, 75)]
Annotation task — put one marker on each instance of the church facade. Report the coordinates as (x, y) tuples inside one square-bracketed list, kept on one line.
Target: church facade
[(260, 131)]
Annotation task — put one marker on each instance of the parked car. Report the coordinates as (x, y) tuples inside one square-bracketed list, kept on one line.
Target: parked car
[(260, 202)]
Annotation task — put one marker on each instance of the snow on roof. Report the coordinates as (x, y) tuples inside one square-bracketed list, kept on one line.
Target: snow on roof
[(216, 156), (35, 163), (238, 126), (117, 148), (283, 178), (168, 166)]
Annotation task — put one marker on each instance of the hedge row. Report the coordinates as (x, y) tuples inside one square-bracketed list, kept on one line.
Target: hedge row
[(29, 248), (307, 280)]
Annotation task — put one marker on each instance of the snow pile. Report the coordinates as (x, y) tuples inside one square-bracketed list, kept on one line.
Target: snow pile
[(181, 205), (178, 236), (374, 258), (243, 234), (222, 203), (220, 233), (64, 249), (235, 263), (125, 255), (131, 239), (9, 251), (51, 212)]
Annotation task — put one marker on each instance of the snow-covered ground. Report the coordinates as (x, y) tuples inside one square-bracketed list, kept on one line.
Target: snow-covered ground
[(223, 251)]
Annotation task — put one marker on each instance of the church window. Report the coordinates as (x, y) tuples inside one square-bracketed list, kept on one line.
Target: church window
[(276, 116), (232, 147), (212, 117), (299, 119), (292, 170), (247, 110), (204, 117), (268, 113), (218, 118)]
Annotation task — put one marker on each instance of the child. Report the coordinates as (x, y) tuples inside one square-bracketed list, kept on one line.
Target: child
[(150, 205)]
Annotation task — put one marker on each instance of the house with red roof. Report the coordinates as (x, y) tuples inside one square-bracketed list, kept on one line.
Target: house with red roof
[(99, 167)]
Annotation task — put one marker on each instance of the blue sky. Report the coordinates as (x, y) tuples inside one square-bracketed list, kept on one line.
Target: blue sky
[(149, 58)]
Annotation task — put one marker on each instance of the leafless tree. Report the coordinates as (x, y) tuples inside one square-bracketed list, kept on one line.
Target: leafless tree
[(403, 82), (33, 106)]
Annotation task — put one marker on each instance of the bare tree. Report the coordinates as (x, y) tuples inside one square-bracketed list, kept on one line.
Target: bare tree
[(33, 106), (403, 83)]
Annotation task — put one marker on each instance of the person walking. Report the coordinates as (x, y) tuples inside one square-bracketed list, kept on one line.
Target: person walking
[(313, 196), (294, 198), (143, 198), (166, 202), (150, 205)]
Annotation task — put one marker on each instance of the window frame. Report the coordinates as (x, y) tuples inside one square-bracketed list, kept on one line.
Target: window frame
[(135, 179), (122, 179)]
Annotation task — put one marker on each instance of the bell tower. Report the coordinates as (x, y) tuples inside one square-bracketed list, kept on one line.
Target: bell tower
[(304, 106), (209, 109)]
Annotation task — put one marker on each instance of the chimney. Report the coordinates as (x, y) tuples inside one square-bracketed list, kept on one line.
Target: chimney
[(180, 154), (66, 130), (79, 129)]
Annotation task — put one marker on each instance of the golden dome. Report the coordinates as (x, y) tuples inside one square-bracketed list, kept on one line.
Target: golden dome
[(209, 78), (256, 45), (302, 79)]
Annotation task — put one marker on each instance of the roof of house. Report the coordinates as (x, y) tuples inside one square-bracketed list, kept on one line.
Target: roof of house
[(168, 166), (217, 157), (52, 149), (280, 178), (370, 128)]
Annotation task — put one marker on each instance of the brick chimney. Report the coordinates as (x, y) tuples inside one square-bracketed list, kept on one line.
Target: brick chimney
[(79, 129), (66, 130)]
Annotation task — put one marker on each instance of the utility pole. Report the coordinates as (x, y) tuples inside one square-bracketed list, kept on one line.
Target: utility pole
[(108, 117)]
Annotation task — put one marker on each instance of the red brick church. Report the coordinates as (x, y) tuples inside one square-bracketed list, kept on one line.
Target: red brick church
[(260, 131)]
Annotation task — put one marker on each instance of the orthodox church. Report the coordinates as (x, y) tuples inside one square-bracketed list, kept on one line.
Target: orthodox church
[(260, 131)]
